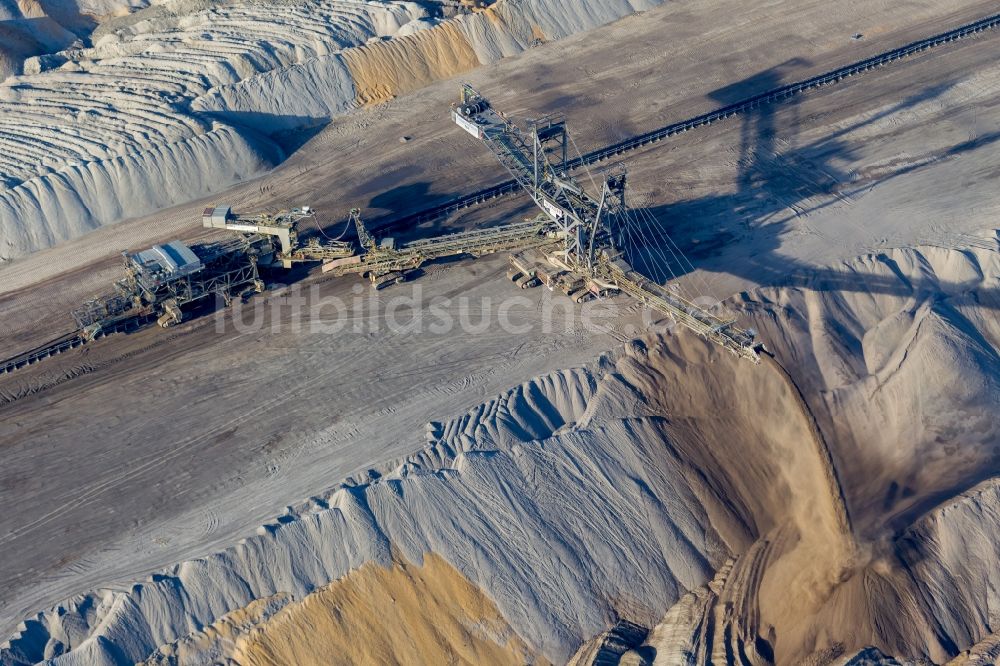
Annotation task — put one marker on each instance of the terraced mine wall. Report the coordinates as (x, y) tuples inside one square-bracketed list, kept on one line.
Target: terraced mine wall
[(178, 100)]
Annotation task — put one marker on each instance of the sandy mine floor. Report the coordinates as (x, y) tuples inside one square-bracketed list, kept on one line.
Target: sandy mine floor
[(145, 450)]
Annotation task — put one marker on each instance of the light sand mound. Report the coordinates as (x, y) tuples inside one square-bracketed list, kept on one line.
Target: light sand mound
[(953, 557), (403, 614), (929, 593), (303, 95), (589, 496), (383, 70), (81, 131), (80, 198), (317, 89), (158, 79), (217, 642), (25, 37), (747, 432), (510, 26), (563, 500), (917, 421), (897, 357)]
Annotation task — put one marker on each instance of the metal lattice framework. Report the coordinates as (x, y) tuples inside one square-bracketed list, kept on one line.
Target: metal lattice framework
[(537, 159), (378, 260), (284, 226), (723, 332), (592, 229)]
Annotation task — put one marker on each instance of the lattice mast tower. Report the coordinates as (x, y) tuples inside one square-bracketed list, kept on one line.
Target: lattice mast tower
[(538, 159)]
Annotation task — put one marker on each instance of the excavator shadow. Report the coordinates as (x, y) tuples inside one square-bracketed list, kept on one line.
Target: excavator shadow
[(780, 180)]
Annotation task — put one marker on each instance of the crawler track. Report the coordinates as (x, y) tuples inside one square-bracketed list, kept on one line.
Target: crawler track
[(749, 104), (64, 343), (57, 346)]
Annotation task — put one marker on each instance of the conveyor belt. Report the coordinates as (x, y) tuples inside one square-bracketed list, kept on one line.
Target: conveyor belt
[(478, 242), (771, 96), (720, 331), (660, 301)]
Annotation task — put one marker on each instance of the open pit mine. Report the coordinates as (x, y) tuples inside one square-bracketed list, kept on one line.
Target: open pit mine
[(586, 332)]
